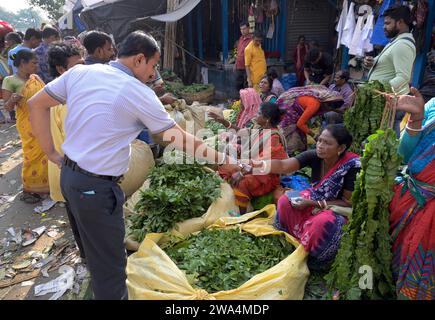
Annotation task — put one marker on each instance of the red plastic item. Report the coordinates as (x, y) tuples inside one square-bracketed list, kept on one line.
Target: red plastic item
[(5, 28)]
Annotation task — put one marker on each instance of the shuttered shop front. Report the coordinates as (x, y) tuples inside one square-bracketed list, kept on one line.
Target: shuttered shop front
[(315, 19)]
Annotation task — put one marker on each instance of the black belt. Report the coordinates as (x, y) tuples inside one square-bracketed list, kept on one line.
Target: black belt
[(75, 167)]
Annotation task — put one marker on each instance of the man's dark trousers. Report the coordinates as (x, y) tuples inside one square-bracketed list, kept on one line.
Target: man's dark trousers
[(95, 212)]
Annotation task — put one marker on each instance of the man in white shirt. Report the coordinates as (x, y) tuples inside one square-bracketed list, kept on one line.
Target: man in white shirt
[(108, 106)]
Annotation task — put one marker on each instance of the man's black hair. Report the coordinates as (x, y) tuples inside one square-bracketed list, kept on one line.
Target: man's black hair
[(48, 32), (258, 35), (345, 75), (138, 42), (95, 39), (398, 12), (32, 33), (58, 55), (243, 24)]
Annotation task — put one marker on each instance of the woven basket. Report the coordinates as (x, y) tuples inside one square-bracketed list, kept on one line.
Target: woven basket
[(205, 96)]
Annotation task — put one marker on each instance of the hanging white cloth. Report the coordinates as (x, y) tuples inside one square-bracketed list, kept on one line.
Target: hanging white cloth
[(349, 27), (368, 33), (356, 44), (361, 37), (341, 23)]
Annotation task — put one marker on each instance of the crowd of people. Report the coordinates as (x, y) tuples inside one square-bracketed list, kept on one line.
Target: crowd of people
[(79, 103)]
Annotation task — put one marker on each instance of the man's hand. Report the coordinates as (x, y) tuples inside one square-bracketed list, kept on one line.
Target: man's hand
[(56, 158), (235, 179), (168, 98), (368, 62), (249, 83), (216, 117), (229, 167)]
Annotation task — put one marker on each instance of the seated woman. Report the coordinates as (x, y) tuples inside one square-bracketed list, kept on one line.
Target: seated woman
[(263, 144), (250, 102), (412, 219), (308, 215), (266, 94), (342, 86), (302, 104)]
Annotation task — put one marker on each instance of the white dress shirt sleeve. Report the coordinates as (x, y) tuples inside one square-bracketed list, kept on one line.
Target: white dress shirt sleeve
[(57, 88), (147, 107)]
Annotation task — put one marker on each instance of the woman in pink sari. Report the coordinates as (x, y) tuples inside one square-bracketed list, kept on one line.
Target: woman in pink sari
[(312, 215)]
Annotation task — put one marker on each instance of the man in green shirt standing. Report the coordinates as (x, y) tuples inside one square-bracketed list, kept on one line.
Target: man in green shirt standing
[(395, 63)]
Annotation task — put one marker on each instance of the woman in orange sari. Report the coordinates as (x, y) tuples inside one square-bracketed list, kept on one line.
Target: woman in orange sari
[(17, 90), (264, 143)]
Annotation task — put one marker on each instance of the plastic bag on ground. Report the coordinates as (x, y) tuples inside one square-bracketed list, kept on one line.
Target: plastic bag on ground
[(152, 275)]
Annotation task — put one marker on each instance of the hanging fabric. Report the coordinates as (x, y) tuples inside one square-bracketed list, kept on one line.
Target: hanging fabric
[(259, 12), (273, 10), (361, 39), (349, 27), (355, 47), (367, 34), (251, 19), (340, 26), (379, 37)]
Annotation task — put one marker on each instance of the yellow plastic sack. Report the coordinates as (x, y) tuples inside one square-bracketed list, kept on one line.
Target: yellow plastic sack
[(221, 207), (140, 164), (152, 275)]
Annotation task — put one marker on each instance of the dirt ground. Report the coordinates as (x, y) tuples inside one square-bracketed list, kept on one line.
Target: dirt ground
[(16, 282)]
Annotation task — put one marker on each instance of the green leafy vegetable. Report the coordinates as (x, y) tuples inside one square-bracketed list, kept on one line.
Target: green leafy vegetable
[(218, 259), (364, 117), (177, 192), (366, 240)]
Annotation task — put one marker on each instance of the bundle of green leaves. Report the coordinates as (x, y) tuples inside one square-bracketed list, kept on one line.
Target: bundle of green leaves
[(366, 241), (223, 259), (214, 126), (177, 192), (196, 87), (364, 117)]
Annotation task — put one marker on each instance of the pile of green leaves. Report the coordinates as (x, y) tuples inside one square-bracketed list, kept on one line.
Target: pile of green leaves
[(214, 126), (177, 192), (364, 117), (222, 259), (195, 88), (173, 87), (169, 75), (366, 240)]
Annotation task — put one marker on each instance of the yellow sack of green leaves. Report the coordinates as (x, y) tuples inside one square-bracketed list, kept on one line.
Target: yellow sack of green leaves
[(152, 275), (140, 164), (221, 207)]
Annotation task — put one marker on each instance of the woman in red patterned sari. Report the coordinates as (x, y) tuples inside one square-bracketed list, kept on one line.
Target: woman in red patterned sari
[(412, 219)]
